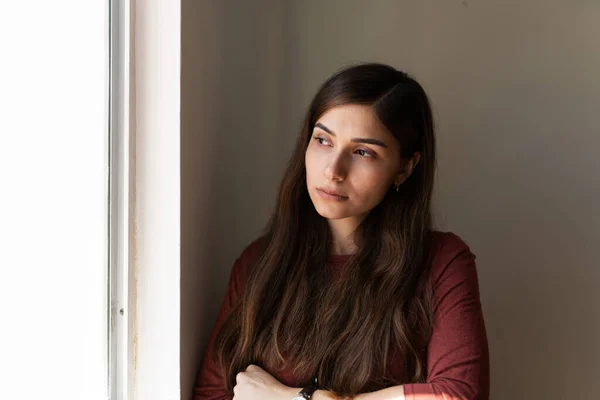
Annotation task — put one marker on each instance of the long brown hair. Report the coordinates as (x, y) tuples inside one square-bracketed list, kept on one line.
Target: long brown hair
[(292, 313)]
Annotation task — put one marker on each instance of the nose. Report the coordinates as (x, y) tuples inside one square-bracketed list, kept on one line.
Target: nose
[(336, 169)]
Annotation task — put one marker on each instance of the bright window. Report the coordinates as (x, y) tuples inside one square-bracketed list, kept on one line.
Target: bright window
[(54, 94)]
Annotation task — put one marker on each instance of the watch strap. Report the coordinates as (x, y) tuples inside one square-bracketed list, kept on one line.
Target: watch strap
[(308, 391)]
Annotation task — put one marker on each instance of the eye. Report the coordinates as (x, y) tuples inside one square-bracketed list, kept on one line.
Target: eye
[(365, 153), (321, 140)]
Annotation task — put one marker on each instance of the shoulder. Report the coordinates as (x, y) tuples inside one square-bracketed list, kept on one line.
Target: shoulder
[(252, 251), (247, 258), (450, 256)]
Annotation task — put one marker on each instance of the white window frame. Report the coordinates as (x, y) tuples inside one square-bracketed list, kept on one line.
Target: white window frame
[(121, 288), (145, 189)]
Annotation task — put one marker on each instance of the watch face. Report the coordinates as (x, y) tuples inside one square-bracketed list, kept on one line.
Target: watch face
[(298, 398)]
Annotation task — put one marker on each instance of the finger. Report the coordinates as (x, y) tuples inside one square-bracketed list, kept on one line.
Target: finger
[(239, 376)]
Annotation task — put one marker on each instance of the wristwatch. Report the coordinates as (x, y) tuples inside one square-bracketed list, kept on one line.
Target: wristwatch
[(307, 392)]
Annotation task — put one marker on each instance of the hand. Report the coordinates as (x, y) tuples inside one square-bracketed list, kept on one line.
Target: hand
[(257, 384)]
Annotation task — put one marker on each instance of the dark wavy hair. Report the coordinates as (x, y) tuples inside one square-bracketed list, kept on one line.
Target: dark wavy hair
[(340, 331)]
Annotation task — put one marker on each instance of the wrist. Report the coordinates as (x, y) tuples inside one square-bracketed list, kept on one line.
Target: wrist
[(319, 394), (290, 392)]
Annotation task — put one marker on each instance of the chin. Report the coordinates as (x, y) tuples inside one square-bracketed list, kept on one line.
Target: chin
[(333, 212)]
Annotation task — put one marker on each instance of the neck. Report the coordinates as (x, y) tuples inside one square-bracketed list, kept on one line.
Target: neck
[(342, 235)]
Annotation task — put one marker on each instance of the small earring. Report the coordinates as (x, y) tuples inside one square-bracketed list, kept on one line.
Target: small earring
[(396, 187)]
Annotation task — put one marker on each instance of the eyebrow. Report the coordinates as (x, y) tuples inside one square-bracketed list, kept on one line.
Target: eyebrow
[(375, 142)]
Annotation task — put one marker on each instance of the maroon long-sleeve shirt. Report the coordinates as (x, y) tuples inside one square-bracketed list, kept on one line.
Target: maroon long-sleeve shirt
[(458, 358)]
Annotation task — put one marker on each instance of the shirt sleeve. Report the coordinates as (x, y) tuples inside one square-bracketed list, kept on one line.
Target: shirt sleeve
[(210, 384), (458, 355)]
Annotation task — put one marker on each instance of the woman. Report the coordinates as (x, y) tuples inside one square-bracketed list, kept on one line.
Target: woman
[(350, 293)]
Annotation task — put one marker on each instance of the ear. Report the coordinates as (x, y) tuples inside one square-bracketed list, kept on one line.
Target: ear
[(407, 169)]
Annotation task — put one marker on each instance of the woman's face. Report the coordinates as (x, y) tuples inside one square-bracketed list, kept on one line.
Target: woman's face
[(351, 162)]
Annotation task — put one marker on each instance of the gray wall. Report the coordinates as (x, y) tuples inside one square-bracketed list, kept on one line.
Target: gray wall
[(515, 90), (231, 154)]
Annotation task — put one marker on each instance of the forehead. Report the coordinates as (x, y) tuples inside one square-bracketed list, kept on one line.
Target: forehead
[(354, 120)]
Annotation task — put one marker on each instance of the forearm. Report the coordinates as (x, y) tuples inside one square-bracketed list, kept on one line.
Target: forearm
[(391, 393)]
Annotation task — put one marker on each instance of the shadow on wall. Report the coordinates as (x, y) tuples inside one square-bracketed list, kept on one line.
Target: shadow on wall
[(232, 151)]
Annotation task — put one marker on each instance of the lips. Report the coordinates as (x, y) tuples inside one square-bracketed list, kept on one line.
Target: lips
[(328, 193)]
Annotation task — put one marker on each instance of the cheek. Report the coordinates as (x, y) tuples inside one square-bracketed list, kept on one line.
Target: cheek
[(371, 184), (311, 163)]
